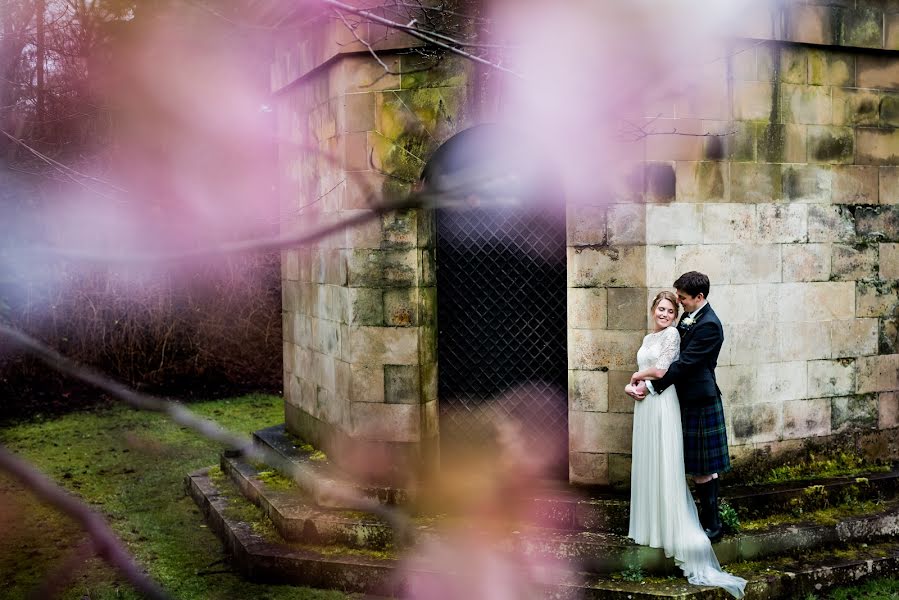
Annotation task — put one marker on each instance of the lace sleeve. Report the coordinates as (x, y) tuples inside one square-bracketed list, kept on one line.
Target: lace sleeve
[(670, 348)]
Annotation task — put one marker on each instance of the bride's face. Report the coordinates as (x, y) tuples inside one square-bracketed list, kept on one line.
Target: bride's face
[(663, 315)]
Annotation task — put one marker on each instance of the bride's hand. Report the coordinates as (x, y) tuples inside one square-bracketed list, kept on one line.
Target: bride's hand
[(634, 379)]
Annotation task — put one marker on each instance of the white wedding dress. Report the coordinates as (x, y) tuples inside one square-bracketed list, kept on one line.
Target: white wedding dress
[(663, 514)]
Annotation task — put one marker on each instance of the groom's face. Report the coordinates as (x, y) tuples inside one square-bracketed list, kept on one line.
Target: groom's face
[(690, 303)]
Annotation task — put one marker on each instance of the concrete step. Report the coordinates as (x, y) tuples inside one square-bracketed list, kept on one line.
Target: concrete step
[(853, 549)]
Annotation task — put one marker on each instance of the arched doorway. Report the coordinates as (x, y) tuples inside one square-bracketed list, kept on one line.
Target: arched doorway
[(501, 293)]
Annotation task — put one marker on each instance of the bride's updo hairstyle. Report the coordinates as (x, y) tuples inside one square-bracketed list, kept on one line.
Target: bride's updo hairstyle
[(665, 295)]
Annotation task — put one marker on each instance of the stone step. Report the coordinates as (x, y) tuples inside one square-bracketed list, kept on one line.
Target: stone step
[(278, 440), (297, 518), (260, 556), (564, 507)]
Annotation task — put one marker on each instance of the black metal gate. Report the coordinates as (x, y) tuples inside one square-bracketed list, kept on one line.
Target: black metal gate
[(501, 318)]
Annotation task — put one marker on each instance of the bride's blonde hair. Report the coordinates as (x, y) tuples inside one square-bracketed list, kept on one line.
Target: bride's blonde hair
[(670, 297)]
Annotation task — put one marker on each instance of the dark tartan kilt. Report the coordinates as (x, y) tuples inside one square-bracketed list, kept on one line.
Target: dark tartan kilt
[(705, 440)]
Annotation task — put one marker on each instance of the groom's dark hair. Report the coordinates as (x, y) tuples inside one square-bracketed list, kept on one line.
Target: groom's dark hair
[(693, 282)]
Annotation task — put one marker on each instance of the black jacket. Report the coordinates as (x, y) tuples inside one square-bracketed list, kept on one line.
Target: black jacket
[(694, 371)]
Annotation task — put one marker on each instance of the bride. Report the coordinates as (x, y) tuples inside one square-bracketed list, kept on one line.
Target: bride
[(662, 513)]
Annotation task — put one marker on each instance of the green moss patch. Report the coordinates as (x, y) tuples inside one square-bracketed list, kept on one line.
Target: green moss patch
[(130, 466)]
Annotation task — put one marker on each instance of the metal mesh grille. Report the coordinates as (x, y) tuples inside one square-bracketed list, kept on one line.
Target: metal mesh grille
[(501, 302)]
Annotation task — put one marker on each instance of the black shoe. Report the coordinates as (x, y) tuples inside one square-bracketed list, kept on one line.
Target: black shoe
[(708, 510)]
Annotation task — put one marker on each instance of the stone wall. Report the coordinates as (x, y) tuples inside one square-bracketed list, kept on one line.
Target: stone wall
[(359, 308), (794, 214)]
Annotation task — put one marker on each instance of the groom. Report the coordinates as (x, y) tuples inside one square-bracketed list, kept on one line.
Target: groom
[(705, 436)]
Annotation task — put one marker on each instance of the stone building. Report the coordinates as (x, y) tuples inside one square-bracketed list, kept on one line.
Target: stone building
[(793, 212)]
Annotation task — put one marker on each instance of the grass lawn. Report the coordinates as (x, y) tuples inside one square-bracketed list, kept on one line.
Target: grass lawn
[(131, 467)]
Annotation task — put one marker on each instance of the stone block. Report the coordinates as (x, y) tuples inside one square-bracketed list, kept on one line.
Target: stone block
[(620, 471), (877, 71), (332, 303), (828, 378), (399, 229), (358, 112), (401, 307), (660, 266), (753, 343), (889, 260), (889, 110), (755, 423), (599, 348), (853, 337), (702, 181), (619, 401), (807, 183), (290, 265), (830, 224), (876, 299), (382, 268), (756, 263), (806, 418), (878, 373), (362, 74), (674, 224), (781, 142), (808, 24), (751, 182), (728, 223), (810, 302), (877, 146), (830, 68), (364, 235), (888, 410), (804, 104), (587, 308), (856, 107), (878, 223), (588, 468), (302, 362), (660, 178), (753, 100), (803, 341), (862, 27), (329, 266), (301, 326), (586, 225), (326, 337), (626, 224), (364, 189), (383, 345), (891, 31), (608, 266), (782, 223), (290, 294), (402, 384), (671, 146), (588, 391), (854, 184), (367, 383), (889, 185), (304, 260), (365, 306), (853, 413), (806, 262), (287, 354), (713, 260), (627, 308), (738, 145), (850, 263), (737, 303), (427, 262), (385, 422), (888, 338), (831, 144), (599, 432), (738, 383)]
